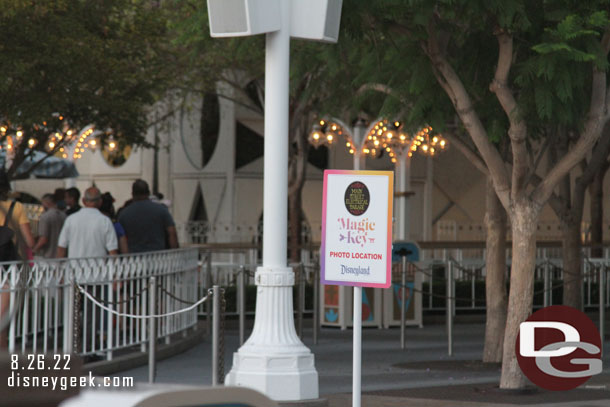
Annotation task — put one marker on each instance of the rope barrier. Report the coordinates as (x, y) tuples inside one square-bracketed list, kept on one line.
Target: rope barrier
[(169, 314)]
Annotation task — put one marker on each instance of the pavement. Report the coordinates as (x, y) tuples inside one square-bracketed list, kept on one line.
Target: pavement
[(420, 375)]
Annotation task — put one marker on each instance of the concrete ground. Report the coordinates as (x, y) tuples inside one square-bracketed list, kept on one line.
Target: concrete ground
[(420, 375)]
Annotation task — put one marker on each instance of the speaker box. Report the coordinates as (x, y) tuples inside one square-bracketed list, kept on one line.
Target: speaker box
[(316, 19), (235, 18)]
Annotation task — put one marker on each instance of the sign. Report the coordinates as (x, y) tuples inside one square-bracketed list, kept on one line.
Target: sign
[(559, 348), (408, 249), (356, 247)]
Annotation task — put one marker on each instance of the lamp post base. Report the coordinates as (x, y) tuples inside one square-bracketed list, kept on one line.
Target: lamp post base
[(273, 360), (279, 377)]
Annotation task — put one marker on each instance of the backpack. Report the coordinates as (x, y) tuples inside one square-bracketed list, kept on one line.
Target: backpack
[(8, 249)]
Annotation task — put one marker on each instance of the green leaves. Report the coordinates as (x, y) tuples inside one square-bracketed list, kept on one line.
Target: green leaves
[(93, 62)]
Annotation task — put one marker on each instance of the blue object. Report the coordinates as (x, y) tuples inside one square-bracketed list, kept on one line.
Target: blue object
[(331, 315), (410, 288), (405, 248)]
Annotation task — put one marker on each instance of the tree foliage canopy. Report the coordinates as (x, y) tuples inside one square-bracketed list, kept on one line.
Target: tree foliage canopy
[(92, 62)]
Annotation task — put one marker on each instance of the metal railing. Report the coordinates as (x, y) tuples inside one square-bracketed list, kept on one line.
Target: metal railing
[(49, 314), (548, 278)]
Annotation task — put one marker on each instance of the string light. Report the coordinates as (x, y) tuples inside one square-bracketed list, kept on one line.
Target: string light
[(384, 137)]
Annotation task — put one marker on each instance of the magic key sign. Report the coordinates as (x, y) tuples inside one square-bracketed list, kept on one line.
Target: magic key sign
[(357, 228)]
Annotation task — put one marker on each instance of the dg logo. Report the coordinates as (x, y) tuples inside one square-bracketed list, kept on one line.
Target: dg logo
[(559, 348)]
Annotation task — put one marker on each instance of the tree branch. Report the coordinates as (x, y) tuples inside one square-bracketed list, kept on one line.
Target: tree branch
[(518, 129), (460, 98)]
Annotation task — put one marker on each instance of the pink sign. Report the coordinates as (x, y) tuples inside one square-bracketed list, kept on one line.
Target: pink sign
[(356, 247)]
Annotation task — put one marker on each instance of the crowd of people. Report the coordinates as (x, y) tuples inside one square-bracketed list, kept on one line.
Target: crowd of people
[(67, 229)]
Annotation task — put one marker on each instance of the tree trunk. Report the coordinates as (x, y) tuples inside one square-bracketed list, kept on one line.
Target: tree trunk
[(524, 218), (597, 213), (572, 272), (294, 220), (495, 281)]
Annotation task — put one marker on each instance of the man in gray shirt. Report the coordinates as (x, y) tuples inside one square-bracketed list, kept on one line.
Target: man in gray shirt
[(49, 226), (148, 225)]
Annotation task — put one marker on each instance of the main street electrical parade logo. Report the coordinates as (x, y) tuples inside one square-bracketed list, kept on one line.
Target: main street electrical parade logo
[(559, 348), (357, 198)]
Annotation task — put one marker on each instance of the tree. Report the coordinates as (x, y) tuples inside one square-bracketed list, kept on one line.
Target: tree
[(71, 63), (453, 34), (569, 204)]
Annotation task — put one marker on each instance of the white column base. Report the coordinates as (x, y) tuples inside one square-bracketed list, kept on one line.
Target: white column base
[(279, 377), (273, 360)]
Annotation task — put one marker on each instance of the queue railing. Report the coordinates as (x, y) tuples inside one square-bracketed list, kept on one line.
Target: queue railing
[(71, 305)]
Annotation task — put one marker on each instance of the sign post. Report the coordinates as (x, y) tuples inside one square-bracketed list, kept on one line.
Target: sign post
[(356, 247)]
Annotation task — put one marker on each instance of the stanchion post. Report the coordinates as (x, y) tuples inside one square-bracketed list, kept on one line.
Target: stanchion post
[(545, 277), (152, 334), (449, 307), (316, 304), (242, 303), (70, 319), (602, 304), (208, 284), (215, 333), (403, 296)]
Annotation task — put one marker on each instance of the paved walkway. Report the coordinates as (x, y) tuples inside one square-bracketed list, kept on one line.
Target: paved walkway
[(395, 377)]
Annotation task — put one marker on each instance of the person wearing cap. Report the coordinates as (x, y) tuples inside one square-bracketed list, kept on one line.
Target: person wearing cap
[(18, 222), (148, 225)]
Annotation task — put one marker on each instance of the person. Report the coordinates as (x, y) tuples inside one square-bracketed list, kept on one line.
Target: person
[(148, 225), (60, 199), (107, 209), (49, 226), (88, 233), (22, 241), (72, 198)]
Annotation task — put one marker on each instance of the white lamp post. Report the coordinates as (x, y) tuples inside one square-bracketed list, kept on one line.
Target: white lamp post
[(274, 360)]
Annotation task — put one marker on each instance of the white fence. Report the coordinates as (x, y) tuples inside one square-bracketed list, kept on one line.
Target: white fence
[(49, 315)]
